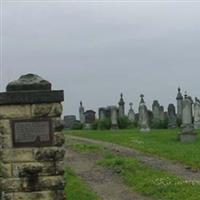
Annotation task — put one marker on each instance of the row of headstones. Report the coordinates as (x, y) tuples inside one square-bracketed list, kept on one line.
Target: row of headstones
[(187, 127), (156, 116)]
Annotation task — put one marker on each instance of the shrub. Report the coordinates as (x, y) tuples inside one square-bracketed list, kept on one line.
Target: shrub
[(123, 122), (160, 124), (179, 122), (133, 125), (77, 126), (94, 125), (104, 124)]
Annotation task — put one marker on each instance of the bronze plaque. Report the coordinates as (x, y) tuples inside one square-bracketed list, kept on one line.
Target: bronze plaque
[(32, 133)]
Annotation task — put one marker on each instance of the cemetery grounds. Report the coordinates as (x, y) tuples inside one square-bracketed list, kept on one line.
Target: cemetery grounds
[(128, 164)]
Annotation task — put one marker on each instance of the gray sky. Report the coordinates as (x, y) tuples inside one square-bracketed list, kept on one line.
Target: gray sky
[(95, 51)]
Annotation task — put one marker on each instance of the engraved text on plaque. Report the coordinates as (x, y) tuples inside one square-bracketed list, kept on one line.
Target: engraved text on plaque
[(28, 133)]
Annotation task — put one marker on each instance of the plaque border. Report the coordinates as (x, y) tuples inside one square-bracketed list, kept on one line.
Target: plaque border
[(32, 144)]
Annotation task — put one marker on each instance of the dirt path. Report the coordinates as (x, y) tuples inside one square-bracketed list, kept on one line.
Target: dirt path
[(150, 160), (103, 181)]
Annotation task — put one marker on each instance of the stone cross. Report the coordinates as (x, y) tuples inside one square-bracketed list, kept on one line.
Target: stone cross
[(142, 98)]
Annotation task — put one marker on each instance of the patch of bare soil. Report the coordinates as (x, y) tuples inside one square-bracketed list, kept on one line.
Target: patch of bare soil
[(178, 169), (104, 182)]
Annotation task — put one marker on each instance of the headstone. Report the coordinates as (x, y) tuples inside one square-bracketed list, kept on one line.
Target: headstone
[(121, 107), (131, 113), (81, 113), (156, 112), (162, 114), (172, 123), (187, 132), (143, 116), (179, 100), (69, 121), (102, 113), (32, 140), (114, 117), (197, 114), (89, 118)]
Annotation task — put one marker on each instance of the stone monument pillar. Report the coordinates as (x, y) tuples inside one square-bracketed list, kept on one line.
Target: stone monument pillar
[(121, 107), (114, 117), (81, 113), (187, 132), (131, 113), (172, 116), (197, 114), (143, 116), (179, 100), (32, 153)]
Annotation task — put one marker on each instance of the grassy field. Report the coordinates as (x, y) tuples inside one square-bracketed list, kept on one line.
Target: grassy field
[(163, 143), (150, 182), (76, 189)]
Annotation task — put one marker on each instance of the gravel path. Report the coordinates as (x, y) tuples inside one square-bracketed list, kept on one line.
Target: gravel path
[(150, 160), (104, 182)]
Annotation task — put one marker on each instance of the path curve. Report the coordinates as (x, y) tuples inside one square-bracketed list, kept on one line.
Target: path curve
[(103, 181), (150, 160)]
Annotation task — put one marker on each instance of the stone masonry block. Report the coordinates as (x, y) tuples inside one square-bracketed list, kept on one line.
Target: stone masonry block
[(5, 127), (15, 111), (23, 184)]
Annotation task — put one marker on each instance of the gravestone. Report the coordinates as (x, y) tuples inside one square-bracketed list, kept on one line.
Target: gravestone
[(172, 123), (90, 118), (102, 113), (114, 117), (179, 100), (32, 154), (131, 114), (81, 113), (143, 116), (69, 121), (187, 128), (197, 114), (156, 112), (162, 114), (121, 107)]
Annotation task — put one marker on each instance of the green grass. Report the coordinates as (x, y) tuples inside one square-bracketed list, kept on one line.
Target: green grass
[(150, 182), (76, 189), (85, 148), (163, 143)]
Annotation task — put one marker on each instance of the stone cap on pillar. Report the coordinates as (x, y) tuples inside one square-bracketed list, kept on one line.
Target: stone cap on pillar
[(30, 89), (28, 82)]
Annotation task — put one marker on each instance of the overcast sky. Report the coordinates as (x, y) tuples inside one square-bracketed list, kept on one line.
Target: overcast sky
[(95, 51)]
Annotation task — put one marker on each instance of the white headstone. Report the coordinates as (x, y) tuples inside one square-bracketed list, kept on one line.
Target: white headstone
[(114, 116)]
